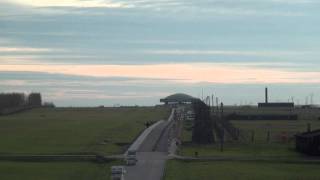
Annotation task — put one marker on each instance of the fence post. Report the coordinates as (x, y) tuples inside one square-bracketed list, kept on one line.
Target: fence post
[(268, 136), (222, 141), (238, 134), (222, 110), (308, 127), (252, 136)]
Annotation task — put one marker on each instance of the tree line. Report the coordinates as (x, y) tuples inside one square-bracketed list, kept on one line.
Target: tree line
[(16, 100)]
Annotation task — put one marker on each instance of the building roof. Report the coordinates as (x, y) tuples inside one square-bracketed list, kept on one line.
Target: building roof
[(276, 104), (309, 134), (178, 97)]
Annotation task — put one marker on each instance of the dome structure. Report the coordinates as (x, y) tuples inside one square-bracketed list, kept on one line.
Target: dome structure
[(178, 98)]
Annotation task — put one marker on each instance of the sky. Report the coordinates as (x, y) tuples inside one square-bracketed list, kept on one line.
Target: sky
[(134, 52)]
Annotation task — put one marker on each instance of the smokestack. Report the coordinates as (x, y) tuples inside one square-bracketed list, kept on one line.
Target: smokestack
[(266, 94)]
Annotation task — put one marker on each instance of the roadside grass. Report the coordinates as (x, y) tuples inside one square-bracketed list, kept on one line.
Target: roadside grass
[(55, 170), (243, 150), (277, 146), (309, 114), (189, 170), (276, 128), (74, 130)]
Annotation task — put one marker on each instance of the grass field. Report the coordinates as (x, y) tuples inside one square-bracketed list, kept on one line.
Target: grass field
[(54, 171), (182, 170), (276, 146), (310, 114), (242, 150), (276, 128), (74, 130)]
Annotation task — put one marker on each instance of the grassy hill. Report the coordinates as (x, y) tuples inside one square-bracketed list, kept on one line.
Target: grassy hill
[(74, 130)]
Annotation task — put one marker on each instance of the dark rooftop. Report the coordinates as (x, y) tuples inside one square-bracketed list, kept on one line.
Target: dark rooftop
[(179, 97), (310, 134)]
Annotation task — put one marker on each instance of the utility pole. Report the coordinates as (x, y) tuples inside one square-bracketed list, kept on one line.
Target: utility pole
[(217, 104), (202, 94), (212, 103), (221, 109), (222, 140)]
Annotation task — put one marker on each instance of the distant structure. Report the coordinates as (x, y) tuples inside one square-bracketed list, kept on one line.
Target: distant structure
[(308, 143), (178, 98), (266, 94), (268, 104)]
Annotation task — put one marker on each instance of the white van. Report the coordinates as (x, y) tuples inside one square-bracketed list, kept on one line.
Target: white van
[(117, 172), (131, 157)]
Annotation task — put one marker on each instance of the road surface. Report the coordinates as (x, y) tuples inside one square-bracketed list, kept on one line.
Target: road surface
[(152, 154)]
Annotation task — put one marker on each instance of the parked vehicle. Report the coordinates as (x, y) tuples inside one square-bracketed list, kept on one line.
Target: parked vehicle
[(131, 158), (117, 172), (190, 115)]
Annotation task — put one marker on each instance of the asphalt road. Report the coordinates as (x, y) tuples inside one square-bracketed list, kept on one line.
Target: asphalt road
[(150, 166), (152, 155)]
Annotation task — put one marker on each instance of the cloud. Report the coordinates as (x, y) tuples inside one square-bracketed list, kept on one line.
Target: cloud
[(227, 52), (191, 8), (295, 1), (72, 3), (102, 94), (25, 49), (184, 73)]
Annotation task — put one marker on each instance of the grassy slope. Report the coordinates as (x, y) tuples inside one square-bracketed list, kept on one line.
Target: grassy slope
[(275, 127), (54, 171), (245, 150), (303, 114), (178, 170), (69, 130), (260, 146)]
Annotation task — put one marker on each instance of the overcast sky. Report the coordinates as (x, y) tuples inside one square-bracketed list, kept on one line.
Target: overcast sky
[(92, 52)]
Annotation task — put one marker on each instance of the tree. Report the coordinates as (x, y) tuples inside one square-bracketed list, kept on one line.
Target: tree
[(34, 99), (12, 100), (203, 126)]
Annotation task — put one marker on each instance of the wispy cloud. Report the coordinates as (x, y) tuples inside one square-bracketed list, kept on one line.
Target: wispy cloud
[(190, 73), (25, 49), (193, 7), (73, 3), (100, 94), (228, 52)]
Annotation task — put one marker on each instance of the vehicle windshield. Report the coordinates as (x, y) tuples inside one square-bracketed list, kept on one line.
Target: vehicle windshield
[(117, 171), (131, 153)]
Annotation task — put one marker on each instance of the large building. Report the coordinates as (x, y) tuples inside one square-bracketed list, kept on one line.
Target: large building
[(178, 98), (308, 142), (268, 104)]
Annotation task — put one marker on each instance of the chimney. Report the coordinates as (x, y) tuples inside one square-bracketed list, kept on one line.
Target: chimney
[(266, 94)]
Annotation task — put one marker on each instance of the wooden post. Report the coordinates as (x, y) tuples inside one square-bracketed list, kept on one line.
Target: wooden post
[(238, 134), (212, 103), (268, 136), (217, 104), (221, 109), (222, 141), (309, 127), (252, 136)]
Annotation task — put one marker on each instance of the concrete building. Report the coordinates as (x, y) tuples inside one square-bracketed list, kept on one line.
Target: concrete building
[(178, 98), (308, 143), (268, 104)]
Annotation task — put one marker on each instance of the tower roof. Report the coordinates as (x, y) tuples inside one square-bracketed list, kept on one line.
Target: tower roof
[(178, 97)]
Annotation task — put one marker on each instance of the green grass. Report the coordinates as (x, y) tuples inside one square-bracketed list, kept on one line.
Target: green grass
[(303, 114), (182, 170), (54, 171), (260, 146), (237, 150), (74, 130), (276, 128)]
